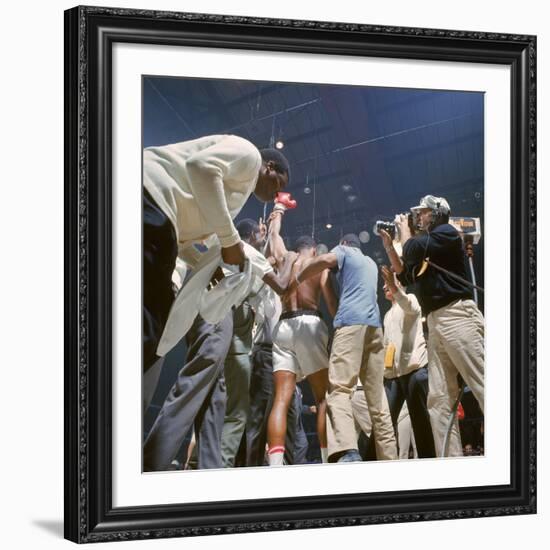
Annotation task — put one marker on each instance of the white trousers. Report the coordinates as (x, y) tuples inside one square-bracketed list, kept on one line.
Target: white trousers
[(455, 346), (300, 345)]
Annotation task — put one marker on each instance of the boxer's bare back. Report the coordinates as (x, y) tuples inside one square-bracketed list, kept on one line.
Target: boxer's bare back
[(307, 295)]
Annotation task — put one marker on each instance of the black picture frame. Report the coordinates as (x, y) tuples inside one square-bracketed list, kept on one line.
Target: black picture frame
[(90, 33)]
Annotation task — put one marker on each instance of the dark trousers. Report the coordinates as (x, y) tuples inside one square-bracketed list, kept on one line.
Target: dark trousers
[(301, 444), (413, 388), (160, 249), (197, 398), (261, 400)]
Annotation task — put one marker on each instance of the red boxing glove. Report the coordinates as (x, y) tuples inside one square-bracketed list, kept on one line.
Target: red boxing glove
[(460, 412), (284, 201)]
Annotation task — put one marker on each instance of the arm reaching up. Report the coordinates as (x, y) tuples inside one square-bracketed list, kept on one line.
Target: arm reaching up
[(277, 248), (408, 302), (394, 258)]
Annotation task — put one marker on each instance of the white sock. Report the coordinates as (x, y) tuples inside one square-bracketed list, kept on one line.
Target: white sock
[(275, 456), (324, 455)]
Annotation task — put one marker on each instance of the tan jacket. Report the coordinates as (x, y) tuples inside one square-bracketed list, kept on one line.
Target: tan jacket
[(202, 184), (403, 329)]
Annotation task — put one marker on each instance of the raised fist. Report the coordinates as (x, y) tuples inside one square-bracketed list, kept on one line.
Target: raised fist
[(284, 201)]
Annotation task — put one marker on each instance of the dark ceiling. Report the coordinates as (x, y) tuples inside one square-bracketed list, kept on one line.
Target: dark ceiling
[(357, 154)]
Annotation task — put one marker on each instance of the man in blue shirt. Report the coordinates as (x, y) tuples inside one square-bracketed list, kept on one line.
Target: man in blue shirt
[(357, 352)]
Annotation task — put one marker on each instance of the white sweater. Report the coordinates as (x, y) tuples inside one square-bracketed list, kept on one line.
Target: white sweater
[(201, 185), (403, 329)]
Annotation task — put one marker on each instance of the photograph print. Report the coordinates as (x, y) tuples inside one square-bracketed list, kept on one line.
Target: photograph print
[(313, 274)]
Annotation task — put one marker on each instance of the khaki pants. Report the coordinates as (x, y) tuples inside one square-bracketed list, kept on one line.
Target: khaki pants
[(360, 410), (358, 353), (361, 416), (455, 346), (405, 434)]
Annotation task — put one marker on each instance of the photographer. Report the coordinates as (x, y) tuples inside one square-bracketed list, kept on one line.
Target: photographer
[(434, 262)]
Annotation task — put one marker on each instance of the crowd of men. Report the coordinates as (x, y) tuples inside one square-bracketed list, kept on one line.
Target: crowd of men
[(249, 310)]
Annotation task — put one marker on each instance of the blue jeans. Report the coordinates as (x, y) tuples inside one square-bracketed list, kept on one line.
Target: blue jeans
[(413, 388)]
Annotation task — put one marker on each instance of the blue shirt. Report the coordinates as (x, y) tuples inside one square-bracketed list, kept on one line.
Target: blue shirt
[(357, 277)]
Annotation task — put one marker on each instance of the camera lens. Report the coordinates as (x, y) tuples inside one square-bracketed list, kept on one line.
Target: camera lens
[(388, 227)]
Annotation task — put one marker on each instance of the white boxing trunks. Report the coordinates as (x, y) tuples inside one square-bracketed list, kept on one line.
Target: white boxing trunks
[(300, 343)]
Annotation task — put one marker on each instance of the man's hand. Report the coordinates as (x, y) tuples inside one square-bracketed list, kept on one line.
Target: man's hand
[(234, 255), (263, 228), (284, 201), (386, 239), (389, 278), (402, 222)]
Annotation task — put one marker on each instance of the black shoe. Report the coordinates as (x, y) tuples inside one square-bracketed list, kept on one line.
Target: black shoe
[(351, 456), (174, 465)]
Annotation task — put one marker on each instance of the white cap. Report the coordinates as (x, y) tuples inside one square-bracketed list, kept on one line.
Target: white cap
[(433, 203)]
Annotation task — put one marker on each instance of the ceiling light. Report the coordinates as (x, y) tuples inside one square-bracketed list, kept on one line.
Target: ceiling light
[(307, 190), (352, 198), (364, 236), (346, 187), (279, 144), (329, 226)]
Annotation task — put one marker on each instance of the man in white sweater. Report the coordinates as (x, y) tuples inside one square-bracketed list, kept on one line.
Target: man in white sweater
[(406, 360), (193, 190)]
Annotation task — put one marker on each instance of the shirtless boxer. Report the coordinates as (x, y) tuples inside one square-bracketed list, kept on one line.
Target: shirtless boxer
[(300, 342)]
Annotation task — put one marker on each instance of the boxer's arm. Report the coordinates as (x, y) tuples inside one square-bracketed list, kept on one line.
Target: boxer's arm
[(328, 293), (276, 247), (279, 283)]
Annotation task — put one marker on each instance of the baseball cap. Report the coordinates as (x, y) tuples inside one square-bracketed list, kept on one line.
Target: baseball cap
[(352, 239), (434, 203)]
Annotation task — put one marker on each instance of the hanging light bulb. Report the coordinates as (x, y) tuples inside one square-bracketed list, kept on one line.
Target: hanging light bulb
[(279, 144), (329, 224), (364, 236)]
